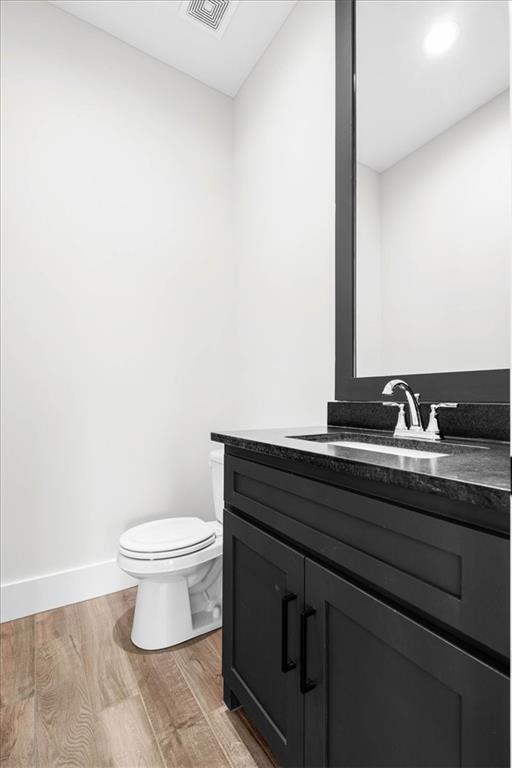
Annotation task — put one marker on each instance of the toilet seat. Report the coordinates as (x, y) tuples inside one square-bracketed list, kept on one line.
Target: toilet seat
[(175, 563), (167, 538)]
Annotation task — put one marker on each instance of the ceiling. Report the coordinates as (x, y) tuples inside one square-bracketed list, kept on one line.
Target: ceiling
[(405, 98), (157, 28)]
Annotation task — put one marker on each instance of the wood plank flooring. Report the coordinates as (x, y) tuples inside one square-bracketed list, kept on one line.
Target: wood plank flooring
[(75, 693)]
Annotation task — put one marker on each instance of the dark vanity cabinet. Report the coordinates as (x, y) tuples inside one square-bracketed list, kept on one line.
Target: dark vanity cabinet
[(265, 591), (359, 633), (391, 692)]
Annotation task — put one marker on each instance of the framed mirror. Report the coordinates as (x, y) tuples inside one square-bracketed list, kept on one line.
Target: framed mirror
[(423, 198)]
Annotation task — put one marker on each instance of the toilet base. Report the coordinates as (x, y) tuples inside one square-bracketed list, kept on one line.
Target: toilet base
[(165, 617), (148, 642)]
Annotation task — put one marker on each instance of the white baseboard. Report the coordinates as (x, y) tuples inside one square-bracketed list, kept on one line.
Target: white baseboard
[(42, 593)]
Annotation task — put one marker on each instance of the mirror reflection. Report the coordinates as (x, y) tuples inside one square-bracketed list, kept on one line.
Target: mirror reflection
[(433, 203)]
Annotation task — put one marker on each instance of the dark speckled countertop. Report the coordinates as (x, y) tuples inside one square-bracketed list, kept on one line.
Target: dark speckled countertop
[(473, 472)]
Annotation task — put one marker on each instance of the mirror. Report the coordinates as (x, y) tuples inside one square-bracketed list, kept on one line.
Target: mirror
[(433, 186)]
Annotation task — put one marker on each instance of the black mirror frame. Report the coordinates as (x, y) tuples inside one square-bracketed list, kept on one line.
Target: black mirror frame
[(461, 386)]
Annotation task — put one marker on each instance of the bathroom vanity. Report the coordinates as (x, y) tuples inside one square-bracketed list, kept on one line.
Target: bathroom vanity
[(366, 597)]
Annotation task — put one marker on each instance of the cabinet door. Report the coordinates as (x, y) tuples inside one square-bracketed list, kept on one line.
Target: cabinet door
[(385, 691), (263, 597)]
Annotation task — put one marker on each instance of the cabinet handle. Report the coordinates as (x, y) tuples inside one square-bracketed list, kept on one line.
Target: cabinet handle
[(286, 664), (305, 684)]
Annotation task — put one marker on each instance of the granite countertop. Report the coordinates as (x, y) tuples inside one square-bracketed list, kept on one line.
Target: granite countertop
[(474, 471)]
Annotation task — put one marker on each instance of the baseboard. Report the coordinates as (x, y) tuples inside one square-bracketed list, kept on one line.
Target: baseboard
[(42, 593)]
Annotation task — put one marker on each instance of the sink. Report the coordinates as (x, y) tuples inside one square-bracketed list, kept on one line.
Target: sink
[(413, 453), (384, 444)]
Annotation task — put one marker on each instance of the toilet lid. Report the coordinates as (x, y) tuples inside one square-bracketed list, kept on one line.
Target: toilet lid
[(172, 536)]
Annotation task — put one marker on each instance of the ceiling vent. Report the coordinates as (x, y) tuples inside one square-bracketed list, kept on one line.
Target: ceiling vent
[(211, 16)]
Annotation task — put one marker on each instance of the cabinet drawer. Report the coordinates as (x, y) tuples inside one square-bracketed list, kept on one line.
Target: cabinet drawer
[(454, 574)]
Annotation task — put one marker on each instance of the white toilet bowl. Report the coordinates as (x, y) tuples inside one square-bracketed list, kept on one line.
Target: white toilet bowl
[(178, 564)]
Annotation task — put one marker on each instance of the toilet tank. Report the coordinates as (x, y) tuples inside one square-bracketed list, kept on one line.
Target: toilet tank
[(217, 470)]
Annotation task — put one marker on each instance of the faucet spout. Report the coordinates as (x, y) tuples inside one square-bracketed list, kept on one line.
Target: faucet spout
[(414, 408)]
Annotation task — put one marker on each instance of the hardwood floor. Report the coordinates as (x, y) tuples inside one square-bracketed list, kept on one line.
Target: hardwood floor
[(76, 693)]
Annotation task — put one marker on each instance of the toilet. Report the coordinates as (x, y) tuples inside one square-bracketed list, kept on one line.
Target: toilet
[(178, 564)]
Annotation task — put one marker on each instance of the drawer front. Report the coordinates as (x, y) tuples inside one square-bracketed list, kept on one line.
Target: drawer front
[(457, 575)]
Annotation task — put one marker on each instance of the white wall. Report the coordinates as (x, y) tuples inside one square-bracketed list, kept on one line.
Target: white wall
[(445, 250), (117, 335), (131, 325), (284, 197), (510, 169), (369, 269)]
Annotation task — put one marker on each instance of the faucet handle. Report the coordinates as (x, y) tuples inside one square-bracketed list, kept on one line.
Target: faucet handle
[(435, 406), (401, 426), (433, 431)]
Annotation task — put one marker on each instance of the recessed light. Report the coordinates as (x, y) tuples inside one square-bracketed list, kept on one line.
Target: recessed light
[(441, 37)]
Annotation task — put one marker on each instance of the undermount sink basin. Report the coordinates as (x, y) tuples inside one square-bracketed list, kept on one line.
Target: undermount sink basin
[(413, 453)]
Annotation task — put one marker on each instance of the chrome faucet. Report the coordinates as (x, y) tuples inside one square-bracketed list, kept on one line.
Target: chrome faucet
[(415, 428), (412, 402)]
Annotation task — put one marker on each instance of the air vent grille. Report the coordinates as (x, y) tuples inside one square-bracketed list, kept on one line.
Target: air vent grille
[(211, 15), (210, 12)]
